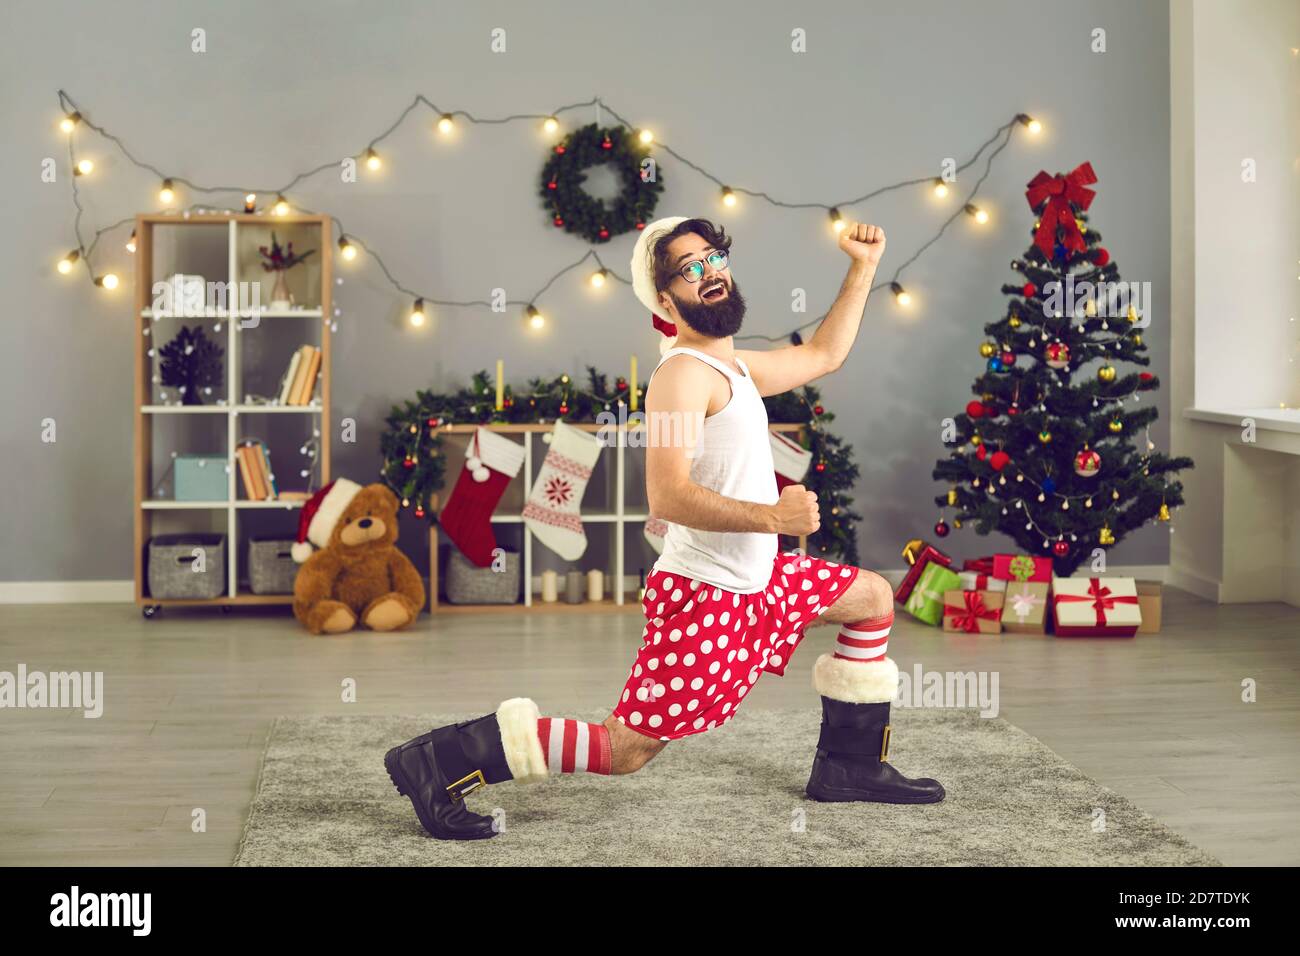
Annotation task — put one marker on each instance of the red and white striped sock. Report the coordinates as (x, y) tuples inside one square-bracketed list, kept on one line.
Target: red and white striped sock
[(865, 640), (574, 746)]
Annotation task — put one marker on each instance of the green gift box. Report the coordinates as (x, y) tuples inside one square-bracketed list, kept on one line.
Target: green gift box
[(925, 603)]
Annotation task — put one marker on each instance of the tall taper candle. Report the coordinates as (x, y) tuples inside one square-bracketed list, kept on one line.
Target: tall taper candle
[(632, 383), (501, 385)]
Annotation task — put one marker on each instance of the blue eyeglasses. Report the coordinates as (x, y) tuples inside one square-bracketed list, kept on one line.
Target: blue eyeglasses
[(693, 271)]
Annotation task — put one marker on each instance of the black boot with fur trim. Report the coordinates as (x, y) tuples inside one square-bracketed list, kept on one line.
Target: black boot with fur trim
[(852, 762), (437, 770)]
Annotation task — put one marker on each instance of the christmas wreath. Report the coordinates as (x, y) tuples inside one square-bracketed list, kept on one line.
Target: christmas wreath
[(573, 210), (413, 462)]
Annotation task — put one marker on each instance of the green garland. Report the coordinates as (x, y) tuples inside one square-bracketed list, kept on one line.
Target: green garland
[(572, 209), (414, 464)]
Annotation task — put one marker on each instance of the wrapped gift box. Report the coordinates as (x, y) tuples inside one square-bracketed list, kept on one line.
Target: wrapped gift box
[(1022, 567), (1024, 609), (1150, 596), (1095, 607), (918, 554), (975, 581), (975, 612), (925, 603), (979, 565)]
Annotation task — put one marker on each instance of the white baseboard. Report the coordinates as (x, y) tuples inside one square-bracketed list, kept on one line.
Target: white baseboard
[(123, 592), (67, 592)]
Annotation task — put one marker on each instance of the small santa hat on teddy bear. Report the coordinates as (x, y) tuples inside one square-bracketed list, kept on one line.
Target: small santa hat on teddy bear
[(320, 513), (643, 275)]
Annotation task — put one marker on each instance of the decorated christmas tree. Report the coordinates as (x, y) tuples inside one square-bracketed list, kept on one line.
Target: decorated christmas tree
[(1055, 449)]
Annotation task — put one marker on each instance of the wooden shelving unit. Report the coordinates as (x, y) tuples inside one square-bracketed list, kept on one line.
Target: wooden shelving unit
[(167, 238), (619, 517)]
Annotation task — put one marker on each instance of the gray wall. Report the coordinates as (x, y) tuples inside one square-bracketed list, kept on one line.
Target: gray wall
[(886, 91)]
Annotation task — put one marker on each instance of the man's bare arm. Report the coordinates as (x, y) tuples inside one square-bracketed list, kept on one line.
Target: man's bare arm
[(779, 370), (683, 386)]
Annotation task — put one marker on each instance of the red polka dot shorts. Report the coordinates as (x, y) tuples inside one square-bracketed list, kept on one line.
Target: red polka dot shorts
[(705, 646)]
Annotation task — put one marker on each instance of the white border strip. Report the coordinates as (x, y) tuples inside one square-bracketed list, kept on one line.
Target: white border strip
[(67, 592)]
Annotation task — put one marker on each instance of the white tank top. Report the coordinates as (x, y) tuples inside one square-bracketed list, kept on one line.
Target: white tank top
[(733, 457)]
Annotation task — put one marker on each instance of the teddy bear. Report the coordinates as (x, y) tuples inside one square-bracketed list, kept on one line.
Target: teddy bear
[(358, 575)]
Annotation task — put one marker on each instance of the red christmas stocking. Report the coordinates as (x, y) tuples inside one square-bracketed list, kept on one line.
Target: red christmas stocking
[(491, 464), (791, 460)]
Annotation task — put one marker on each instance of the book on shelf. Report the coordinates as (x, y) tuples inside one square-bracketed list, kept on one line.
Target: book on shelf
[(255, 471), (309, 380), (299, 381), (246, 473), (287, 386)]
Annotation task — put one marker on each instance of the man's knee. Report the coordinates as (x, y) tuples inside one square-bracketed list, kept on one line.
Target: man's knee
[(879, 593)]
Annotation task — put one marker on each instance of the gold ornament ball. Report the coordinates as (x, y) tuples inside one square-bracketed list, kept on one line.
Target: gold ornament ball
[(1106, 373), (956, 522), (1117, 426), (1137, 339), (1014, 322), (987, 349), (1044, 436), (975, 439), (952, 496), (1105, 536)]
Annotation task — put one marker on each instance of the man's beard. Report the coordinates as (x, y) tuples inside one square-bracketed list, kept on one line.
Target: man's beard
[(714, 320)]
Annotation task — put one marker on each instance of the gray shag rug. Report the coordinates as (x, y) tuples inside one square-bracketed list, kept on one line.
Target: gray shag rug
[(730, 797)]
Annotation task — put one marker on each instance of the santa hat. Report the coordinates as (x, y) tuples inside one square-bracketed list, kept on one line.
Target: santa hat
[(320, 513), (643, 275)]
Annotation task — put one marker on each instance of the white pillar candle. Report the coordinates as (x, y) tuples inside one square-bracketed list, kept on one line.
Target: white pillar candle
[(595, 585), (550, 586)]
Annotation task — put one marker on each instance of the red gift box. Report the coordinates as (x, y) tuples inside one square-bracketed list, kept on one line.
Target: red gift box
[(1022, 567), (918, 555), (978, 565)]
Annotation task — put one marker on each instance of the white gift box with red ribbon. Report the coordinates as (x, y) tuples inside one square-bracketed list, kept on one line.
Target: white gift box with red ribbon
[(1095, 607)]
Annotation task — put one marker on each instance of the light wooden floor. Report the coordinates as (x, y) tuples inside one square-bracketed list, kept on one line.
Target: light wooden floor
[(190, 697)]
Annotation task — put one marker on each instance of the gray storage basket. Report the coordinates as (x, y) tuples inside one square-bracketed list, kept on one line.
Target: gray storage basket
[(271, 567), (469, 584), (171, 566)]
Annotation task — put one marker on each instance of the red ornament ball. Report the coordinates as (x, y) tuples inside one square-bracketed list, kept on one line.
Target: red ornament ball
[(1013, 409), (604, 233), (409, 462), (432, 423), (1008, 359), (1057, 355), (817, 409), (1030, 290), (975, 409), (640, 225), (558, 221), (606, 144), (419, 511), (559, 149), (999, 460), (1061, 548), (1100, 256), (941, 529), (1145, 376), (982, 451), (564, 409), (821, 466), (552, 185), (1087, 463)]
